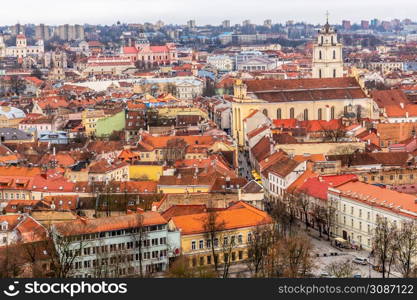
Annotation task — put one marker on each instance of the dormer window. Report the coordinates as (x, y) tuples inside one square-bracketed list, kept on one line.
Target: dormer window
[(4, 226)]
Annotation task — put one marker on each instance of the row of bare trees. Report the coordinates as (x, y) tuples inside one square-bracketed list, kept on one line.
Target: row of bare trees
[(395, 247)]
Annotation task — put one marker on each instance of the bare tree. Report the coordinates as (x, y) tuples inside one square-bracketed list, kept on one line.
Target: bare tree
[(406, 248), (262, 238), (332, 134), (63, 248), (212, 228), (304, 204), (139, 235), (283, 212), (10, 265), (344, 269), (181, 268), (290, 257), (384, 244)]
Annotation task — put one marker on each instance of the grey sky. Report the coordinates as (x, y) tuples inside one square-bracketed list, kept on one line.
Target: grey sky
[(203, 11)]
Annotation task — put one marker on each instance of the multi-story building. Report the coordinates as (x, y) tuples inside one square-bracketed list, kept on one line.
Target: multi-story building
[(70, 32), (42, 32), (221, 62), (118, 246), (360, 205), (230, 242), (22, 49)]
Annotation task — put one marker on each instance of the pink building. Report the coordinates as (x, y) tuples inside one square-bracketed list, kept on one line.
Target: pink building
[(149, 56)]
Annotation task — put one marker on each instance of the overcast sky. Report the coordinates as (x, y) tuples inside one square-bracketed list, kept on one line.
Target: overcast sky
[(203, 11)]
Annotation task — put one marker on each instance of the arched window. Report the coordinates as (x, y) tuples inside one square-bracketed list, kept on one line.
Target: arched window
[(265, 112), (319, 73), (332, 40), (321, 39), (320, 56), (306, 114), (332, 113), (319, 114), (334, 73), (279, 115), (291, 113), (334, 54)]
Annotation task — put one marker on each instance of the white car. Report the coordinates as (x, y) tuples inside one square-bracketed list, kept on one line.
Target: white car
[(360, 261)]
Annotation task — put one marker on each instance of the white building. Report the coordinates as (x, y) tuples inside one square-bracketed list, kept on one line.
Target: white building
[(118, 246), (281, 175), (22, 49), (221, 62), (327, 54), (359, 205)]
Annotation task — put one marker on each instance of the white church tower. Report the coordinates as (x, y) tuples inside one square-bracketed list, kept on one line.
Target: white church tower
[(327, 54)]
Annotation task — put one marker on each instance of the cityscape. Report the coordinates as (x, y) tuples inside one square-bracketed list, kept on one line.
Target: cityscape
[(231, 150)]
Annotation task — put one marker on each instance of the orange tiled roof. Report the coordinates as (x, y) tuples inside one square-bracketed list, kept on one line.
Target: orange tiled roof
[(86, 226), (239, 215)]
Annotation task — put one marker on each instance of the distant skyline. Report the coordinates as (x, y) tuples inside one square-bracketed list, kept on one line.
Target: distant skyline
[(212, 12)]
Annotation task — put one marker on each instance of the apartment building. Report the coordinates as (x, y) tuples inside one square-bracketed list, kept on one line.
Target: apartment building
[(118, 246), (360, 205)]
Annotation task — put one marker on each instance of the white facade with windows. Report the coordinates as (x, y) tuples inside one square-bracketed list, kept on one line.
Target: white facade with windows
[(119, 252), (356, 219)]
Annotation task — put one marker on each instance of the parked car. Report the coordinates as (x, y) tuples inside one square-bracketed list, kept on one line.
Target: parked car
[(357, 276), (360, 261), (324, 275)]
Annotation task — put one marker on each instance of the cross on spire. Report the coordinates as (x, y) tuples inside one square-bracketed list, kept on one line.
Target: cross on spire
[(327, 17)]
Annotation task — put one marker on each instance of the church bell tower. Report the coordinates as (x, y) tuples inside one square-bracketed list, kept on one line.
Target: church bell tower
[(327, 53)]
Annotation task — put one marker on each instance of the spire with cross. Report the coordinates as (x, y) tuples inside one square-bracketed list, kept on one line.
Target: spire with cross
[(327, 17)]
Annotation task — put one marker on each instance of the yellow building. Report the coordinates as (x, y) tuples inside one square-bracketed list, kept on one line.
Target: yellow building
[(89, 120), (182, 184), (302, 99), (172, 112), (235, 226), (10, 117), (145, 171)]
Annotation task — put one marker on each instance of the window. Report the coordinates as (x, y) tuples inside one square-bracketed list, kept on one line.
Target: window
[(209, 259), (265, 112), (319, 73), (292, 113), (240, 255), (193, 245), (279, 114), (332, 113), (201, 244), (319, 114), (249, 237), (239, 239), (334, 73), (334, 55), (320, 54), (225, 241), (208, 243), (305, 114)]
